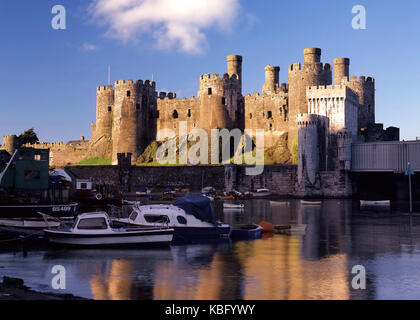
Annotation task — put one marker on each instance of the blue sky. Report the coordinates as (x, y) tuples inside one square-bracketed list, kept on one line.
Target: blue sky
[(48, 77)]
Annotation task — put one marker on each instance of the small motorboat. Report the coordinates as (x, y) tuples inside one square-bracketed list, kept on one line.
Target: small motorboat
[(310, 203), (191, 217), (246, 232), (291, 229), (233, 206), (143, 192), (96, 229), (262, 193), (383, 203)]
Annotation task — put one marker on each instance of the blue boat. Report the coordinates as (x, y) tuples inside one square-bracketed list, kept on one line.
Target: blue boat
[(246, 232)]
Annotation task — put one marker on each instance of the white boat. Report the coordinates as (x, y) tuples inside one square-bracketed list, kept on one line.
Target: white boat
[(262, 193), (191, 217), (310, 203), (233, 206), (383, 203), (96, 229)]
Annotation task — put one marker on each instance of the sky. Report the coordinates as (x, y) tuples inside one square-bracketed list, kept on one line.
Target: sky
[(48, 77)]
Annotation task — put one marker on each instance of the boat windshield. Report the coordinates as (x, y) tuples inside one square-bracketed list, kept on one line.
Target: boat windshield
[(92, 224)]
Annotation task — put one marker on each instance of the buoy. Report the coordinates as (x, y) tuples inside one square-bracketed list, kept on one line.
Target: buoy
[(267, 227)]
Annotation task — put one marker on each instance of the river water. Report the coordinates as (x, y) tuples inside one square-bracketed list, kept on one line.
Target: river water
[(315, 265)]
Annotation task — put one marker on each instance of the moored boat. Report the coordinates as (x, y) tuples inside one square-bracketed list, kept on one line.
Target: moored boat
[(97, 229), (382, 203), (246, 232), (233, 206), (310, 203), (22, 211), (262, 193), (191, 217)]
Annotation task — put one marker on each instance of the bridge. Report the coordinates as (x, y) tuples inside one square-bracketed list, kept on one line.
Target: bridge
[(385, 156)]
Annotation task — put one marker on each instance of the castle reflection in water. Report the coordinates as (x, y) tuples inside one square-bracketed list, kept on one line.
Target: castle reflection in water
[(316, 265)]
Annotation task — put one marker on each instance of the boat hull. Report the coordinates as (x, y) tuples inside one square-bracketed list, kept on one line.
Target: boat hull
[(199, 234), (156, 238), (246, 233), (31, 211)]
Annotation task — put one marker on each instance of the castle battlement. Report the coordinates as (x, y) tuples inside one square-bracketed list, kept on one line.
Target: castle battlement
[(216, 76), (170, 95), (105, 88), (361, 80), (319, 67), (304, 120)]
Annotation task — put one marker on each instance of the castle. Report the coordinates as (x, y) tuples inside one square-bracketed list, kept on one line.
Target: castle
[(131, 114)]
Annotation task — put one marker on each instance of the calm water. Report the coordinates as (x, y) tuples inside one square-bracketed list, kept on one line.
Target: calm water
[(316, 265)]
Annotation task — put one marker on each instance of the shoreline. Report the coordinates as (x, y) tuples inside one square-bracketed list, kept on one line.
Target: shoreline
[(15, 289)]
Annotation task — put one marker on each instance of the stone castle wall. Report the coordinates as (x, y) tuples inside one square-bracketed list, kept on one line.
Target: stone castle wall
[(130, 114)]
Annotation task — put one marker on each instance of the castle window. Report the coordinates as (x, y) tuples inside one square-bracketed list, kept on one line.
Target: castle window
[(128, 93), (175, 114), (109, 109), (157, 114), (269, 115), (250, 115), (189, 113), (138, 106), (223, 100), (209, 91), (271, 127)]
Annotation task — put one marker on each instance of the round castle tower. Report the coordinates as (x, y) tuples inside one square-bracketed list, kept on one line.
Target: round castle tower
[(104, 112), (272, 79), (234, 67), (10, 143), (311, 73), (312, 133), (220, 97), (365, 88), (341, 70), (133, 118), (124, 130)]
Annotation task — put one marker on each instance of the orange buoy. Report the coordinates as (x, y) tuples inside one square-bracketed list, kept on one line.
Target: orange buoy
[(267, 227)]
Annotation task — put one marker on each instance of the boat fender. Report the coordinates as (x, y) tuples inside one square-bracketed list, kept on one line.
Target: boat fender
[(267, 227), (98, 196)]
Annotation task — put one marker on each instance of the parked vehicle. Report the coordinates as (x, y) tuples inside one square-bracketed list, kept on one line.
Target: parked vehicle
[(97, 229)]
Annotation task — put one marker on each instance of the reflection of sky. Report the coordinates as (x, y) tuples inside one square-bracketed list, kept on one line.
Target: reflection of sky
[(316, 265)]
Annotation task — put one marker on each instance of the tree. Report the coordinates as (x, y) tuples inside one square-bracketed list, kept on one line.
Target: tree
[(29, 136)]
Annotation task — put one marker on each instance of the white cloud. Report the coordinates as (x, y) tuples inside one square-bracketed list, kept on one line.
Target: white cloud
[(89, 47), (173, 23)]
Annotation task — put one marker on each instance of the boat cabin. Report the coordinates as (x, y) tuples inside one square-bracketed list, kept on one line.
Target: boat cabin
[(89, 222)]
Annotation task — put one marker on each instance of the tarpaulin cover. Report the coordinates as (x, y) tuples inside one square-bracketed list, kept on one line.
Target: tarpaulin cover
[(197, 205)]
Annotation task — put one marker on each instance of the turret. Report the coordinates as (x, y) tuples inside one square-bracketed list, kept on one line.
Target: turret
[(312, 55), (124, 131), (341, 70), (104, 111), (234, 67), (10, 143), (272, 79)]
